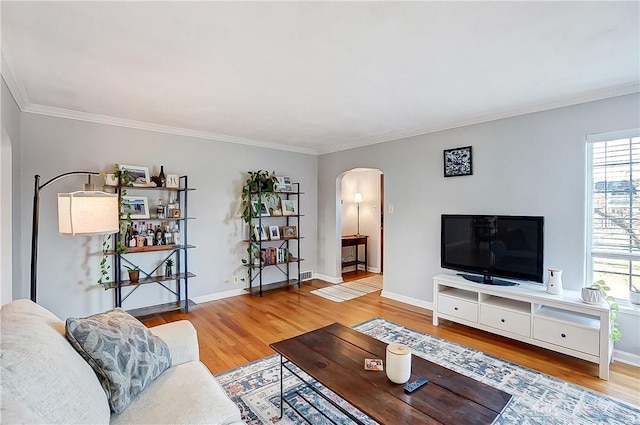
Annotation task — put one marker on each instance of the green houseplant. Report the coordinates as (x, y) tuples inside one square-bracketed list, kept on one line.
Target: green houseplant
[(134, 273), (124, 180), (168, 267), (259, 184), (614, 333)]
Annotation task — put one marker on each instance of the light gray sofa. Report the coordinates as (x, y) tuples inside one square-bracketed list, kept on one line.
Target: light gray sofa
[(44, 380)]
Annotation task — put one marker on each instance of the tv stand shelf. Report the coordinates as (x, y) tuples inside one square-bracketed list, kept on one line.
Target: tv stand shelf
[(527, 313)]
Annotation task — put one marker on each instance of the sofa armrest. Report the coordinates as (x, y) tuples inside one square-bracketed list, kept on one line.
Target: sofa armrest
[(182, 339)]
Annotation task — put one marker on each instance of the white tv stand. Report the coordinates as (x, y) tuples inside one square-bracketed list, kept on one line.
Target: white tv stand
[(529, 314)]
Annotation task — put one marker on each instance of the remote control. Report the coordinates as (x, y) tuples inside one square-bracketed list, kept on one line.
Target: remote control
[(410, 387)]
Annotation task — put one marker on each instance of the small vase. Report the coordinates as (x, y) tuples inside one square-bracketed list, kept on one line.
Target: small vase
[(168, 271)]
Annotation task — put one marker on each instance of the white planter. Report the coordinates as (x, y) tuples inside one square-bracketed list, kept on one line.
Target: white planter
[(634, 297)]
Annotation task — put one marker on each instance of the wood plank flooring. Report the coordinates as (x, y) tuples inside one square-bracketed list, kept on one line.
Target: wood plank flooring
[(238, 330)]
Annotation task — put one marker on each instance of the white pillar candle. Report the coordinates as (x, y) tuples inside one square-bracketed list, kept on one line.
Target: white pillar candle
[(398, 365)]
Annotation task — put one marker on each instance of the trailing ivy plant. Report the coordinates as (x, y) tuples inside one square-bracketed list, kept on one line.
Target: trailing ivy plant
[(614, 334), (259, 184), (124, 180)]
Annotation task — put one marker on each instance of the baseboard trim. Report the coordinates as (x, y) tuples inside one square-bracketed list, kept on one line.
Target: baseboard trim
[(632, 359), (218, 296), (328, 278), (407, 300)]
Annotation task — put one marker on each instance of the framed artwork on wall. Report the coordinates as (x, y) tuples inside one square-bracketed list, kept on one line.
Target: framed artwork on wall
[(137, 206), (457, 162)]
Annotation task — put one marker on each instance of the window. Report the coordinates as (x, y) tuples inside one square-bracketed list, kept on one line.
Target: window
[(614, 212)]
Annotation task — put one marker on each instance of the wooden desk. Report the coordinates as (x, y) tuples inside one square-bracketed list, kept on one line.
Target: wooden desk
[(355, 240), (334, 356)]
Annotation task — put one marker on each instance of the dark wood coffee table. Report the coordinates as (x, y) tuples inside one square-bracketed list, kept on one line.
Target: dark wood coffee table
[(334, 356)]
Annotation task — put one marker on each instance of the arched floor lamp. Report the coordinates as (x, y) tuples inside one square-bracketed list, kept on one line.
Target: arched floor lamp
[(84, 213)]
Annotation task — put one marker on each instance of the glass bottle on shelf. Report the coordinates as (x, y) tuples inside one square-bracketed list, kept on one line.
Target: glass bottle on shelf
[(163, 180), (150, 235), (160, 209)]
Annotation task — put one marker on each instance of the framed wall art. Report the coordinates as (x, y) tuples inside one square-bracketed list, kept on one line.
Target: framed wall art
[(139, 175), (274, 233), (137, 206), (289, 232), (457, 162), (289, 207)]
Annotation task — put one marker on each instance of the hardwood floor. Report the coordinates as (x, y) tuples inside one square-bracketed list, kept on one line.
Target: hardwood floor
[(238, 330)]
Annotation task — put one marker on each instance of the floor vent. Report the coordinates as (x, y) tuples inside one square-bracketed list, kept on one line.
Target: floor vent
[(306, 275)]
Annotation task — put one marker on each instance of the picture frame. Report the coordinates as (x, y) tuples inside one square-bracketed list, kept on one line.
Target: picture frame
[(172, 181), (260, 209), (260, 233), (284, 184), (137, 206), (289, 207), (458, 162), (274, 233), (289, 232), (138, 175)]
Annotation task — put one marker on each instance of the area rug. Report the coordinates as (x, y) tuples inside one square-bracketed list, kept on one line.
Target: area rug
[(350, 290), (538, 398)]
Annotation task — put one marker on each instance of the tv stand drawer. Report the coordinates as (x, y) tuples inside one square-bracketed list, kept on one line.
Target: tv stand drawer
[(462, 309), (510, 321)]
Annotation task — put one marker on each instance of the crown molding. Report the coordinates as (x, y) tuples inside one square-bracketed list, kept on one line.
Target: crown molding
[(13, 82), (160, 128), (492, 116)]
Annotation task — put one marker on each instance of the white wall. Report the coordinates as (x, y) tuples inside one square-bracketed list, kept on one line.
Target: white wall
[(531, 165), (10, 270), (68, 266)]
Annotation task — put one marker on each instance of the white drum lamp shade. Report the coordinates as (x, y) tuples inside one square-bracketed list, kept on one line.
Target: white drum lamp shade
[(88, 213), (357, 198)]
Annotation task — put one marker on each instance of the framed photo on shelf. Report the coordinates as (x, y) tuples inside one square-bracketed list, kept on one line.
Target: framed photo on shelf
[(284, 184), (137, 206), (274, 233), (457, 162), (289, 207), (260, 233), (259, 208), (172, 181), (139, 175), (289, 232)]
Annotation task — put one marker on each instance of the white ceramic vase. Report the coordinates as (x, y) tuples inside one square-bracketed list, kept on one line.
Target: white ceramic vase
[(398, 363)]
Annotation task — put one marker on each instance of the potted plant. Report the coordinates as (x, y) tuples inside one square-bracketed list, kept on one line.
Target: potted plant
[(124, 180), (614, 333), (134, 273), (634, 294), (259, 184), (168, 267)]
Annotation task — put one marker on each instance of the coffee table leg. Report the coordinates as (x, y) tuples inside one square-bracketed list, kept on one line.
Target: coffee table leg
[(281, 390)]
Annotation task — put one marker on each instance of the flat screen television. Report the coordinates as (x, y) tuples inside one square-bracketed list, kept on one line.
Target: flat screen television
[(492, 246)]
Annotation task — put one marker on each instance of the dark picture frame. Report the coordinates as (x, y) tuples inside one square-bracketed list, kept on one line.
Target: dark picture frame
[(458, 162)]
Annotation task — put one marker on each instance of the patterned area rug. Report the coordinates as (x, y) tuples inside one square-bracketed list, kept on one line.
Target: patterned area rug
[(538, 398), (350, 290)]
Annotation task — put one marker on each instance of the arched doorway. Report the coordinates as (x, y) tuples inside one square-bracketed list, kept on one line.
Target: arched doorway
[(360, 213)]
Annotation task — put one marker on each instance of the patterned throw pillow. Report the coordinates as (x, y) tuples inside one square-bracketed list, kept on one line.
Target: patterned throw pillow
[(124, 354)]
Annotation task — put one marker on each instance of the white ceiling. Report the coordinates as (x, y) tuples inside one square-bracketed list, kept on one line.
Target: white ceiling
[(314, 77)]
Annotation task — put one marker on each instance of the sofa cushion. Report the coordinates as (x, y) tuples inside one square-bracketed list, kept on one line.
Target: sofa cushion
[(124, 354), (44, 380), (184, 394)]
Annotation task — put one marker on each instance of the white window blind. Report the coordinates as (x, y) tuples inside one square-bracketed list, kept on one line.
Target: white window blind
[(615, 213)]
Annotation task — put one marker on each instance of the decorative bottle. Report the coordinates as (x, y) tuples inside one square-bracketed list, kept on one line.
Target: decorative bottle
[(160, 209), (163, 180)]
